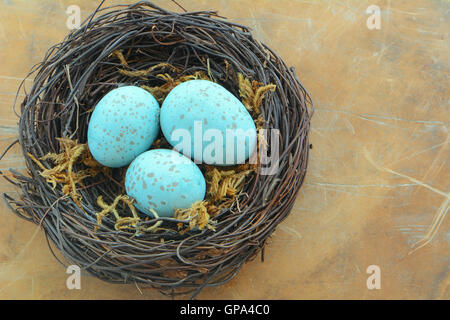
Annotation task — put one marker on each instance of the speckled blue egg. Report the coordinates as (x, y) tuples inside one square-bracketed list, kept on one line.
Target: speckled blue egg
[(163, 180), (206, 122), (124, 124)]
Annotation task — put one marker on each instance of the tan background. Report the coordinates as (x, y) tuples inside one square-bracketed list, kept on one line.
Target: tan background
[(379, 169)]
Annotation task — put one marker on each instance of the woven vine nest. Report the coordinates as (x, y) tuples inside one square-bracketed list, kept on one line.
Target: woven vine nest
[(83, 207)]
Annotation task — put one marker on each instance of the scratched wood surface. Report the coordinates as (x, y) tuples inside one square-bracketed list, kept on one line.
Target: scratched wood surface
[(379, 170)]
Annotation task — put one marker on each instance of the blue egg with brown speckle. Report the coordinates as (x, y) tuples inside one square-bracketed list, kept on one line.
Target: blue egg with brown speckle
[(207, 123), (124, 124), (164, 180)]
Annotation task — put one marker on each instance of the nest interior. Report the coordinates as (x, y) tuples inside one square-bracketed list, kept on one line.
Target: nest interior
[(145, 45)]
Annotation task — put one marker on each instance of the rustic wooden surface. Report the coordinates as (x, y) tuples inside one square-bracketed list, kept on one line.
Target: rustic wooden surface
[(379, 169)]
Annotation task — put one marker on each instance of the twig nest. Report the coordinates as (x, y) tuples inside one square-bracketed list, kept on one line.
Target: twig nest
[(82, 205)]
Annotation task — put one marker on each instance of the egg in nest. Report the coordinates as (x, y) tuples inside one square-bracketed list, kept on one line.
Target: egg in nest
[(123, 125), (207, 123), (164, 180)]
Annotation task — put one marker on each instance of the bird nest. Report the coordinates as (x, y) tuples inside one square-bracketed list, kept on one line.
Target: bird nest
[(82, 206)]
